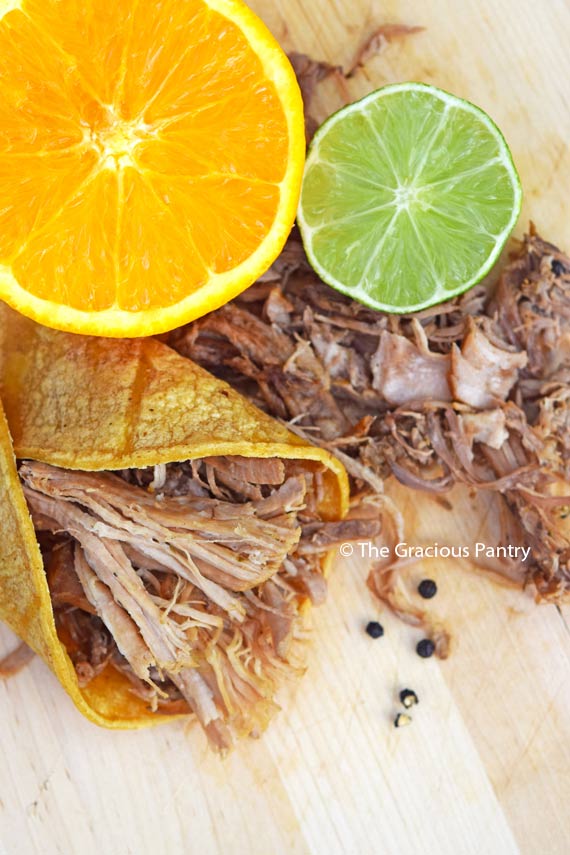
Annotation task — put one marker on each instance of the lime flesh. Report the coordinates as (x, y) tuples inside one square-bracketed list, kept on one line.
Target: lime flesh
[(409, 195)]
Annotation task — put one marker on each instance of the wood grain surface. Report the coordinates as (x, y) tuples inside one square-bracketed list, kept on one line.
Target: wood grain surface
[(485, 766)]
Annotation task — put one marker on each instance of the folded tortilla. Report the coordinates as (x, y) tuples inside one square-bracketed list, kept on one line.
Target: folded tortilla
[(85, 404)]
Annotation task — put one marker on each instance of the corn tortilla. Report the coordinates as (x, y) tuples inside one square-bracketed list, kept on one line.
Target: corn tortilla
[(91, 404)]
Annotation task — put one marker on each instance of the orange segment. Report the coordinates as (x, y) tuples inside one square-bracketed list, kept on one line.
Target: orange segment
[(251, 145), (68, 260), (153, 274), (40, 104), (94, 35), (33, 188), (150, 159), (238, 211), (187, 32)]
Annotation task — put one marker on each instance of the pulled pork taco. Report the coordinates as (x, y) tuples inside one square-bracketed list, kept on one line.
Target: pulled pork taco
[(161, 535)]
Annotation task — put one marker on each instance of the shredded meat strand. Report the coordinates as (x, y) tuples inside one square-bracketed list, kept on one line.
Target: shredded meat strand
[(310, 72), (15, 661)]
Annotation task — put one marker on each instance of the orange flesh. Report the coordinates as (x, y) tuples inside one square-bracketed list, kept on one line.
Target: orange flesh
[(142, 150)]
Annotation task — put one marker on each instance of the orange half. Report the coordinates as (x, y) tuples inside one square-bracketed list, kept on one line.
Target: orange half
[(151, 154)]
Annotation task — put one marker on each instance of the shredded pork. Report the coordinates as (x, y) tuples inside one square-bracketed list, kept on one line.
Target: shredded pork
[(475, 391), (15, 661), (188, 578)]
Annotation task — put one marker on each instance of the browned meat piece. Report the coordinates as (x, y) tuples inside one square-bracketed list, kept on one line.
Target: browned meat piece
[(277, 308), (404, 373), (482, 374), (309, 73), (122, 628), (532, 307), (279, 616), (64, 585), (375, 43), (15, 661), (319, 536), (306, 398), (201, 700), (552, 425), (87, 641), (488, 427), (251, 471), (286, 498), (263, 344)]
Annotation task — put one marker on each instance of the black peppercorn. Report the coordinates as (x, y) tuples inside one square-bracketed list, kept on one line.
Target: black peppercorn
[(425, 648), (402, 720), (427, 589), (408, 698), (375, 629), (557, 267)]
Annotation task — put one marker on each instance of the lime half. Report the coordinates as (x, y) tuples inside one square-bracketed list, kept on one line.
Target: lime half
[(408, 197)]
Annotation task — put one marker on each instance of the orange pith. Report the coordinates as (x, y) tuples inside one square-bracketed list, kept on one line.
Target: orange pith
[(150, 159)]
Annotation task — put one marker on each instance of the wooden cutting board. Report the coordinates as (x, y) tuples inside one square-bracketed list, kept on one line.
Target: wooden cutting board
[(485, 766)]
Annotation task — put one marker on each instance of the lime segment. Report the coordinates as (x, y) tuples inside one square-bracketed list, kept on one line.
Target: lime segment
[(409, 195)]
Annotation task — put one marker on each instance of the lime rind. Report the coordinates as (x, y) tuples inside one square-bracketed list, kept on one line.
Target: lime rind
[(372, 227)]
